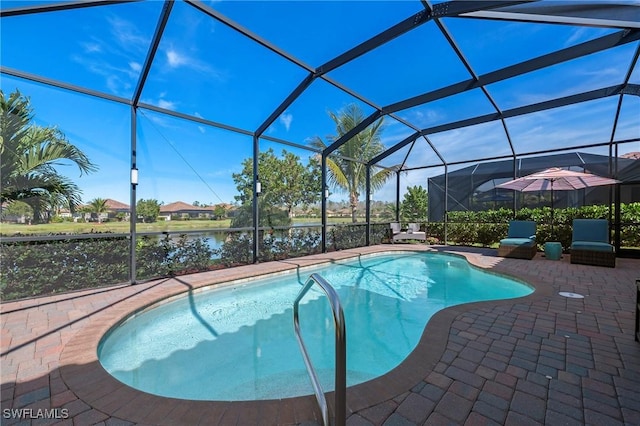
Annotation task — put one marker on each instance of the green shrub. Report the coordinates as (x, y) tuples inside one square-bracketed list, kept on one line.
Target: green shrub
[(489, 233), (186, 255), (237, 249), (34, 268), (151, 257), (488, 227), (346, 237)]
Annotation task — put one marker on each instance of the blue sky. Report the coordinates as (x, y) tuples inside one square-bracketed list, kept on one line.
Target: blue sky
[(205, 69)]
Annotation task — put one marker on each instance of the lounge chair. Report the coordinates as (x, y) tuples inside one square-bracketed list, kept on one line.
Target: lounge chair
[(590, 243), (395, 229), (521, 240), (412, 233)]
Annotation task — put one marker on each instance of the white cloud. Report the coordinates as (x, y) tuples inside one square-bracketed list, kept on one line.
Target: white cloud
[(575, 37), (90, 47), (422, 116), (175, 59), (179, 59), (116, 85), (286, 119), (582, 34), (202, 129), (115, 56), (162, 103), (127, 34)]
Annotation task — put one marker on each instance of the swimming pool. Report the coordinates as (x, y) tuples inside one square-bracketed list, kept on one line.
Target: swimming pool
[(237, 342)]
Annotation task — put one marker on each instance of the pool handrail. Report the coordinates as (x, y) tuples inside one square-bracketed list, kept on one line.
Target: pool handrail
[(340, 393)]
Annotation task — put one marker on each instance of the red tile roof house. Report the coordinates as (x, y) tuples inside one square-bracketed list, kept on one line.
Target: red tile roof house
[(114, 207), (183, 210)]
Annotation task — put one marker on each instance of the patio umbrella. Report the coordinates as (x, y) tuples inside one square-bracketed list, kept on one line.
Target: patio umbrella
[(556, 179)]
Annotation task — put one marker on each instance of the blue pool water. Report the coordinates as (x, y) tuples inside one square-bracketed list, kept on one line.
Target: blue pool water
[(237, 342)]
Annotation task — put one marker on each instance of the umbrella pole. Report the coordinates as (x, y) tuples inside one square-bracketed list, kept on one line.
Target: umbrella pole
[(552, 234)]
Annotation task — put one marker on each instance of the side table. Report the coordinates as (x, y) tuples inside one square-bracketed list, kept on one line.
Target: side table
[(553, 250)]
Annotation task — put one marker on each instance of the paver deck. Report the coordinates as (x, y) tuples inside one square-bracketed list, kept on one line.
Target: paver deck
[(542, 359)]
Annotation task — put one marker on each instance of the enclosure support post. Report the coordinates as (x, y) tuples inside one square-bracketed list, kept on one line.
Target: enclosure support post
[(446, 201), (153, 48), (257, 188), (323, 207), (132, 202), (398, 196), (368, 205), (515, 176)]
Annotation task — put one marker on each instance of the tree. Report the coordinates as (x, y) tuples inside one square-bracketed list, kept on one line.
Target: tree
[(286, 183), (219, 212), (30, 154), (98, 206), (414, 205), (148, 209), (17, 209), (343, 172)]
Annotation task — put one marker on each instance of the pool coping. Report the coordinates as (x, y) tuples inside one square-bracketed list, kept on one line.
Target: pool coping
[(85, 376)]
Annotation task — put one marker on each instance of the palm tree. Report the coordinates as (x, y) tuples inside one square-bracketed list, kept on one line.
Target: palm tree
[(349, 175), (29, 155), (98, 206)]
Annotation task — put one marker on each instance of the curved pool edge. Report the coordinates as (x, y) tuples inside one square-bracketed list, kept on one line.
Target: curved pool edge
[(85, 376)]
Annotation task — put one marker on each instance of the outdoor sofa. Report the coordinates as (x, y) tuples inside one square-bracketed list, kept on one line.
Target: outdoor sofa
[(412, 233)]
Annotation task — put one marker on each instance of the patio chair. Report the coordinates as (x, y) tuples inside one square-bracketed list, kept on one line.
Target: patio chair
[(590, 243), (521, 240), (395, 229)]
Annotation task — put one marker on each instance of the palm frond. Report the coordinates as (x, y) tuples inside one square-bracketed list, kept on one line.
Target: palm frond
[(30, 155)]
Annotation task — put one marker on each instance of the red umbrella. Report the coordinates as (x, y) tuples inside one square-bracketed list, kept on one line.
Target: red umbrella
[(556, 179)]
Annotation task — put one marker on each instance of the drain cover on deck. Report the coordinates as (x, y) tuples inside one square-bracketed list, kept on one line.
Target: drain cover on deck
[(571, 295)]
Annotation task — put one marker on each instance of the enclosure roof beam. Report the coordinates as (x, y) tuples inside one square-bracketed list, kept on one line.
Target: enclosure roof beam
[(445, 31), (378, 40), (247, 33), (634, 89), (567, 12), (394, 148), (153, 48), (530, 153), (62, 85), (528, 109), (286, 103), (187, 117), (452, 8), (351, 133), (41, 8), (606, 42), (631, 89)]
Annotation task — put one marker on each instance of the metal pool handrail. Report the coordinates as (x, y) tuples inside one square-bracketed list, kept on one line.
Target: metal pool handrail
[(340, 393)]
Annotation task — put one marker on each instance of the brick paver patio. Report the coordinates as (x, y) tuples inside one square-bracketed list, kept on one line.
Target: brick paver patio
[(543, 359)]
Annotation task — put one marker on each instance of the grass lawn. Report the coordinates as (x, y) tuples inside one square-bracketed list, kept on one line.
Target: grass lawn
[(10, 229), (117, 227)]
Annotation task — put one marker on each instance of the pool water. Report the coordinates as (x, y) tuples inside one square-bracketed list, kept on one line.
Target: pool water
[(237, 342)]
